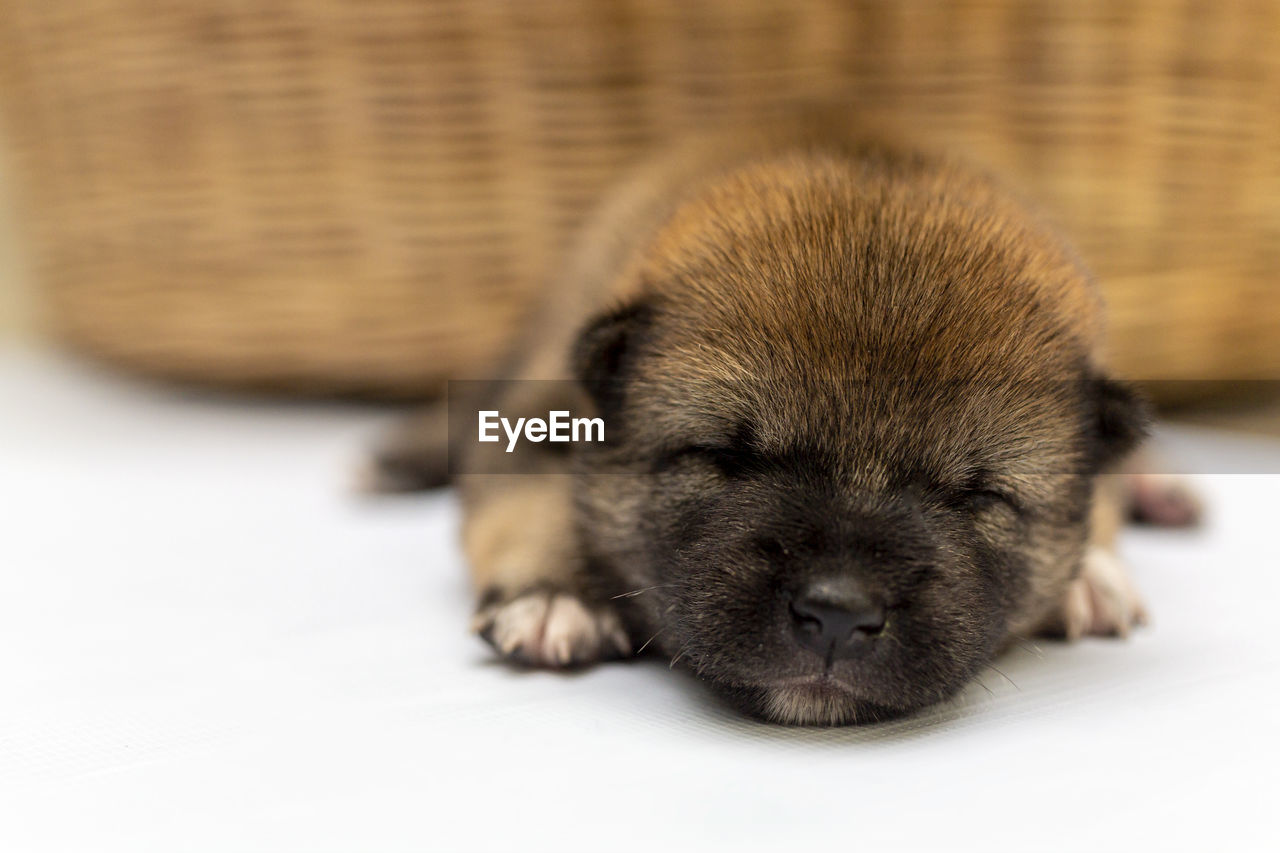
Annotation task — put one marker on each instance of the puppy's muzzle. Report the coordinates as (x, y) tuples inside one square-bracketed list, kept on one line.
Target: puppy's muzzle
[(835, 617)]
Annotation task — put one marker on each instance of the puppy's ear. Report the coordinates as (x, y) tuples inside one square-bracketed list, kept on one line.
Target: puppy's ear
[(1119, 419), (606, 351)]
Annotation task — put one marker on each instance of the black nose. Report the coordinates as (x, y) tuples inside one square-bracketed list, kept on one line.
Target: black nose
[(834, 616)]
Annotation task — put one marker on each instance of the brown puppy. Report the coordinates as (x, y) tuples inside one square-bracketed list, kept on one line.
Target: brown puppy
[(854, 416)]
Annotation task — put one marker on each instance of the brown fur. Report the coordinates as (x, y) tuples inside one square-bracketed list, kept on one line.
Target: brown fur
[(888, 336)]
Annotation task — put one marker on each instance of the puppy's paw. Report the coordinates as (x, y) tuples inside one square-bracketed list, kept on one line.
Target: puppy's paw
[(1101, 602), (1163, 500), (413, 455), (556, 630)]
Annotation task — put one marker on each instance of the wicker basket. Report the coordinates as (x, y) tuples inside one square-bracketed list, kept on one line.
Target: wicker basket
[(362, 196)]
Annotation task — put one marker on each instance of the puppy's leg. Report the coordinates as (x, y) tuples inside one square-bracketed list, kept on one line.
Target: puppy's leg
[(1101, 600), (1163, 500), (1154, 497), (535, 607), (412, 456)]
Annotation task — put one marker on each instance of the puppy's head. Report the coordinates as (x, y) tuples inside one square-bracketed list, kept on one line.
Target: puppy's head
[(852, 424)]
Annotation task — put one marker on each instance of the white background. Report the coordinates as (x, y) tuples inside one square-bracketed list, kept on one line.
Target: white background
[(207, 643)]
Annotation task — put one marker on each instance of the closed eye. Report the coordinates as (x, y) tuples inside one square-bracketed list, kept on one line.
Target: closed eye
[(979, 494), (983, 498), (733, 462)]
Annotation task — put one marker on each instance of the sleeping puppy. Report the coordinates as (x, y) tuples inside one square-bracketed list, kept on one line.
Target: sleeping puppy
[(855, 416)]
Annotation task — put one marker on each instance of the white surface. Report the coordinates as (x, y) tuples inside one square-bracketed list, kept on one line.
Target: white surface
[(205, 644)]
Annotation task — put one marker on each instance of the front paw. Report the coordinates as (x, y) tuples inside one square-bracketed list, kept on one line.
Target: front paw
[(1101, 602), (550, 629)]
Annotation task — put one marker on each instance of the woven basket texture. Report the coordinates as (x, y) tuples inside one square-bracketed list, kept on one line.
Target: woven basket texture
[(363, 197)]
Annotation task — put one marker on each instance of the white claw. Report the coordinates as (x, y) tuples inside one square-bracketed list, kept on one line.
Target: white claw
[(553, 630), (1102, 601)]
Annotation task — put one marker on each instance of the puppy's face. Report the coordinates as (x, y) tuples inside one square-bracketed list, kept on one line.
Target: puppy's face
[(850, 448)]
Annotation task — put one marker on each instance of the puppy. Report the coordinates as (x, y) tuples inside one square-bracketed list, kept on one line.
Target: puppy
[(855, 416)]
